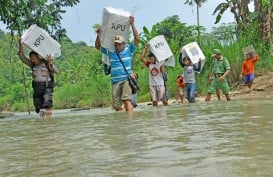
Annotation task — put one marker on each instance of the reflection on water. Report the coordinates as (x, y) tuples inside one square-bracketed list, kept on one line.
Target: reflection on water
[(227, 139)]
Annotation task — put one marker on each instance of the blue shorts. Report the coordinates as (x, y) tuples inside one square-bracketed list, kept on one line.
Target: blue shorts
[(248, 78)]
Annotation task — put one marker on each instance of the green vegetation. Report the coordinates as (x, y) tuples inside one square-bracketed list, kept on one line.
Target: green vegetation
[(18, 15), (82, 83)]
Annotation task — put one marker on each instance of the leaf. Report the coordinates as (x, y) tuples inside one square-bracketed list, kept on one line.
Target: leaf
[(19, 15), (145, 30), (218, 18), (220, 8)]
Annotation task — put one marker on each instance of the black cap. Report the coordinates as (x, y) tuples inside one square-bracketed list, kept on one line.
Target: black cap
[(151, 54)]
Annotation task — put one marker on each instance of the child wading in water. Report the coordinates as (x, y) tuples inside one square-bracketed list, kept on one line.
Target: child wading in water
[(180, 87), (156, 80), (189, 77), (248, 69)]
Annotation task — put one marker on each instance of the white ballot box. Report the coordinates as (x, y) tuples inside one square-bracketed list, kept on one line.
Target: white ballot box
[(114, 22), (160, 48), (38, 40), (193, 51)]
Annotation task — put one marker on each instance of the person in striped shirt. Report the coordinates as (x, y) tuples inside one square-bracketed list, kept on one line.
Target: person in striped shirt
[(122, 55)]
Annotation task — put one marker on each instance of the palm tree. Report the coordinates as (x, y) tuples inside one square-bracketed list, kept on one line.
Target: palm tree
[(198, 5)]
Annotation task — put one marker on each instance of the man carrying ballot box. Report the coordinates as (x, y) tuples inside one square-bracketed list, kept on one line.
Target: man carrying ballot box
[(121, 66), (43, 71)]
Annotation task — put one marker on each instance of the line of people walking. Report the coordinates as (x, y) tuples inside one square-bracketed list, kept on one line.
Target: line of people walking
[(121, 67)]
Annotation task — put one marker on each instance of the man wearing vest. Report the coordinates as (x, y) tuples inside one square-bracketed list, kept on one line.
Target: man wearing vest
[(42, 80)]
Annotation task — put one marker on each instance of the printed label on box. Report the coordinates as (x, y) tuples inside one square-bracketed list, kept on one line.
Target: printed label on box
[(114, 22), (193, 51), (40, 41), (160, 48)]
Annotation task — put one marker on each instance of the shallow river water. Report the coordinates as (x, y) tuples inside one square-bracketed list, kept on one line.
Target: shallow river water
[(216, 139)]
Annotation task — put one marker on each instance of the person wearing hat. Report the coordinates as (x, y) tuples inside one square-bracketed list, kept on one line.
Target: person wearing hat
[(217, 79), (217, 90), (248, 69), (121, 66)]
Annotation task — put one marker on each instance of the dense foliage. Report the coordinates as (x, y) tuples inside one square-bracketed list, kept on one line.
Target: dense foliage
[(18, 15), (261, 17), (82, 83)]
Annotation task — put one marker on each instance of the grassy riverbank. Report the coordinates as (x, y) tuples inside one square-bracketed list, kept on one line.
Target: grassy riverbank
[(81, 82)]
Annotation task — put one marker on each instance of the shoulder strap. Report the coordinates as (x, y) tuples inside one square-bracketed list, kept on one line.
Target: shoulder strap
[(122, 63)]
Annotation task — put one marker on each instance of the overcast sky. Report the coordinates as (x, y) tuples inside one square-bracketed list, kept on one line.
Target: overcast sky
[(78, 20)]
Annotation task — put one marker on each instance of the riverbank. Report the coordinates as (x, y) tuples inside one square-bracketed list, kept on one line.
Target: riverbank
[(262, 88), (5, 115)]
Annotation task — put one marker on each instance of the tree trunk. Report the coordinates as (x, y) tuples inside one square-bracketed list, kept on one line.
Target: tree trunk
[(198, 22), (265, 21), (266, 29)]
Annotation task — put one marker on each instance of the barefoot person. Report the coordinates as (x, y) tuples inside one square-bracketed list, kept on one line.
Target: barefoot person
[(217, 79), (43, 80), (122, 56), (156, 78), (189, 76), (180, 87), (248, 67)]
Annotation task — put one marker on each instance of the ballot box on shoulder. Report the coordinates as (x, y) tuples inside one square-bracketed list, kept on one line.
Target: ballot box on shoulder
[(160, 48), (193, 51), (249, 50), (38, 40), (114, 22)]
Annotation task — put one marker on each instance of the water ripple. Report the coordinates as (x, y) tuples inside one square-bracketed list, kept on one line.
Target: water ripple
[(228, 139)]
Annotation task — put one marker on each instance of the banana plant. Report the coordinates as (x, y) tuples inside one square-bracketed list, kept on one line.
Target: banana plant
[(146, 36)]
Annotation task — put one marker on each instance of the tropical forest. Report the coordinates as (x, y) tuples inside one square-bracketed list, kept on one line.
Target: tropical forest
[(82, 83)]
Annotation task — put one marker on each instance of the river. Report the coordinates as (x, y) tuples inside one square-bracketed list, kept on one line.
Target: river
[(215, 139)]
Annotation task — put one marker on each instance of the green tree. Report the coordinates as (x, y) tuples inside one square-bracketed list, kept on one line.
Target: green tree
[(224, 34), (176, 32), (262, 16), (20, 14), (198, 5)]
